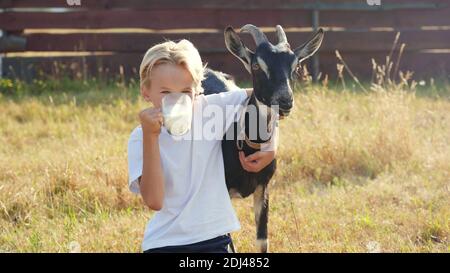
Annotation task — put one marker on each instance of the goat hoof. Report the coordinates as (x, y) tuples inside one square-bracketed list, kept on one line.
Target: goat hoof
[(262, 245)]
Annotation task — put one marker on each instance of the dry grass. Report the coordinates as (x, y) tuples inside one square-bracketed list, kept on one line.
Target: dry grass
[(357, 172)]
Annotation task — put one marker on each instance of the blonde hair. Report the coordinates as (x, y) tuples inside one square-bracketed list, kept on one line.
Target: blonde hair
[(182, 53)]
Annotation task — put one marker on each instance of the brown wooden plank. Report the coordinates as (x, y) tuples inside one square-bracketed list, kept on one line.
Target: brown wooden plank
[(424, 65), (219, 18), (383, 41), (158, 4), (399, 19), (214, 42), (221, 4), (124, 42), (105, 66), (154, 19)]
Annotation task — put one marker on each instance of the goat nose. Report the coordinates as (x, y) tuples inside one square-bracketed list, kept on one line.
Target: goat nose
[(285, 103)]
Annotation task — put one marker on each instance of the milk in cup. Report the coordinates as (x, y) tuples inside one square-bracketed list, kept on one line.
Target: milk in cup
[(177, 113)]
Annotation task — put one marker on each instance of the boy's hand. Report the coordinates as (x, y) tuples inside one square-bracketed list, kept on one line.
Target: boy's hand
[(257, 161), (151, 120)]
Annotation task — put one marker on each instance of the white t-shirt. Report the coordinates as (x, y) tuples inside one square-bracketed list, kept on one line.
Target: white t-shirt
[(196, 204)]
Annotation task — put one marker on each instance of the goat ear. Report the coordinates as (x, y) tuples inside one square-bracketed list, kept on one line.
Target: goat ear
[(237, 48), (308, 49)]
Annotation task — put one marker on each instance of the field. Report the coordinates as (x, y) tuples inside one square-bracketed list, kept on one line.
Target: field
[(358, 171)]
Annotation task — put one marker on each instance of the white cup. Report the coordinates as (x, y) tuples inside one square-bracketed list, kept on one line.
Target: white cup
[(177, 113)]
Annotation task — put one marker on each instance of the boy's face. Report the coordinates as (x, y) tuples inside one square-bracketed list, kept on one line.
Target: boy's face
[(167, 78)]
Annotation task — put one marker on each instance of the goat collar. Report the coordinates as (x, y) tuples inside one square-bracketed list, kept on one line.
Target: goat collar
[(242, 136)]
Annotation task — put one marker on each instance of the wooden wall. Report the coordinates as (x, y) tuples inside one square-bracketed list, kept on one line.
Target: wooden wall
[(113, 34)]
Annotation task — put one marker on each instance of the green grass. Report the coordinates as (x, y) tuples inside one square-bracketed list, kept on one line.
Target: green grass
[(357, 171)]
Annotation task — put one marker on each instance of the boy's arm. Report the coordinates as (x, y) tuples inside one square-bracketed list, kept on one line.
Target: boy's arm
[(259, 160), (151, 183)]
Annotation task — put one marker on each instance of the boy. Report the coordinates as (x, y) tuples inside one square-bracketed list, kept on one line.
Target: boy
[(183, 180)]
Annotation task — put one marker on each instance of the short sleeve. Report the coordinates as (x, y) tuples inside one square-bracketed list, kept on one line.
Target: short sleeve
[(135, 159), (230, 104)]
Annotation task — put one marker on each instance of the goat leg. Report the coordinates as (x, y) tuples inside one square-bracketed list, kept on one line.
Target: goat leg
[(261, 210)]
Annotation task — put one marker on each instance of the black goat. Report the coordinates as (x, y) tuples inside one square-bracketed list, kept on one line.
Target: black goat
[(272, 68)]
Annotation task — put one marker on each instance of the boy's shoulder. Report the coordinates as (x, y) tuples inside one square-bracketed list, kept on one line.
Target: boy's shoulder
[(233, 97), (136, 134)]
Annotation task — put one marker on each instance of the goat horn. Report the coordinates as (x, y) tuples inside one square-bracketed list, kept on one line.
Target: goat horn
[(282, 39), (257, 34)]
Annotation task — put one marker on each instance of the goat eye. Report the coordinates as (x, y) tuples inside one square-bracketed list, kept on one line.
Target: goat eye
[(255, 66)]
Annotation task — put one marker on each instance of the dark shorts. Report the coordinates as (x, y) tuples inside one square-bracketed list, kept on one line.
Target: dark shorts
[(215, 245)]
